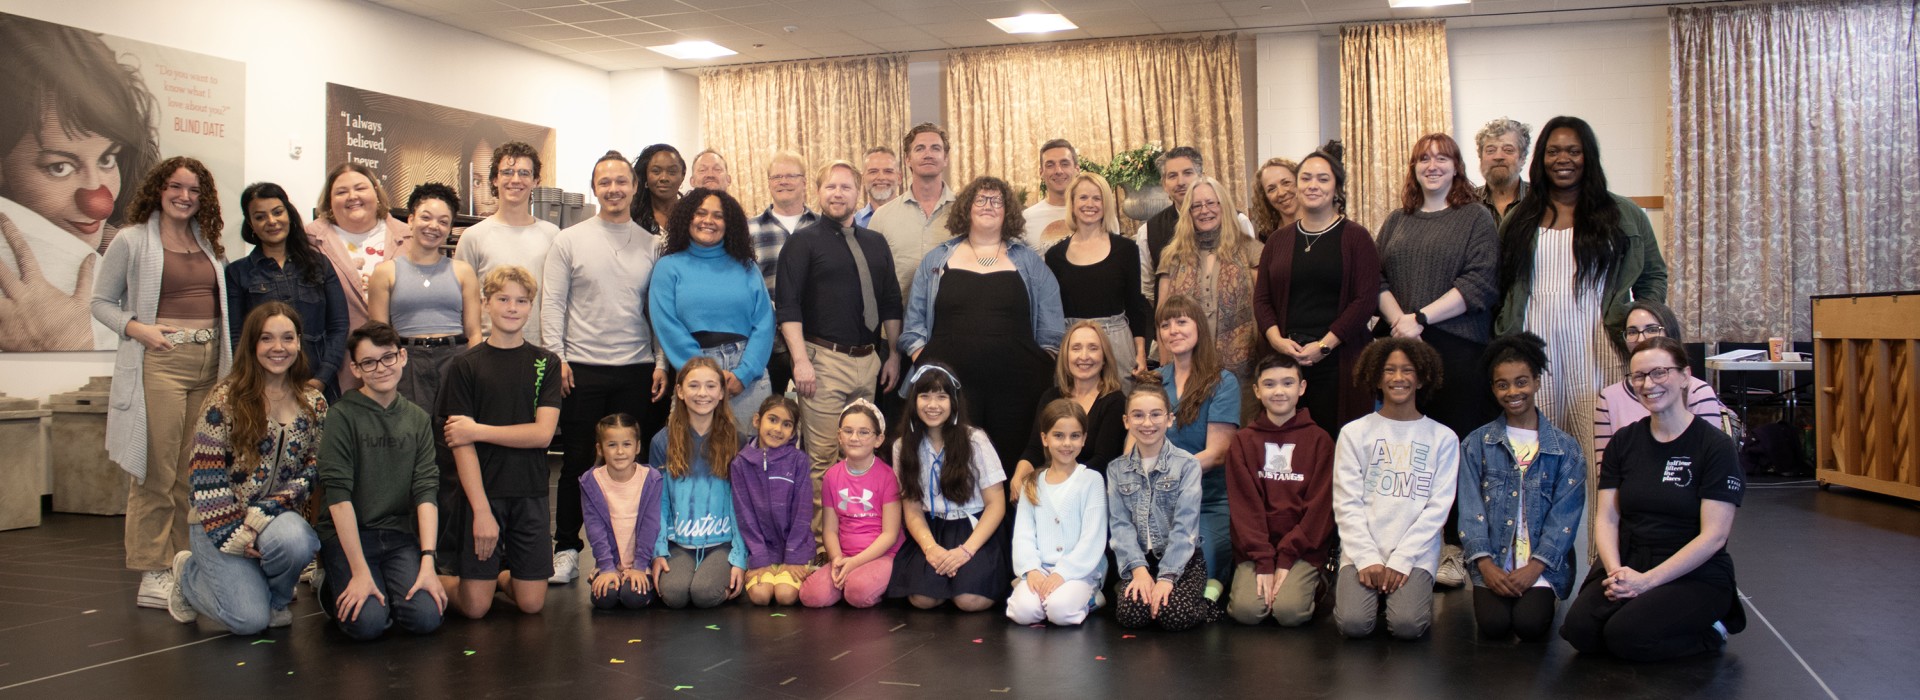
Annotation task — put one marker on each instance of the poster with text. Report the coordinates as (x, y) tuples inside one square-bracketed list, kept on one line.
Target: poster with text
[(411, 143), (83, 117)]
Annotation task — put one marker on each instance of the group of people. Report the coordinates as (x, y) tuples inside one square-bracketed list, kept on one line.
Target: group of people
[(928, 397)]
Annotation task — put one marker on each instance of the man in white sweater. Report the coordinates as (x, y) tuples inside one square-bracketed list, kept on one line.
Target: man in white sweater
[(511, 236)]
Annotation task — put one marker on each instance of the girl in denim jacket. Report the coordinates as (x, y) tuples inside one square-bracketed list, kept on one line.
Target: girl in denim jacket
[(1153, 522), (1522, 492)]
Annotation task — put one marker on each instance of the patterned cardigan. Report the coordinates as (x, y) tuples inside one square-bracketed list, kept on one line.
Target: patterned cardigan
[(229, 500)]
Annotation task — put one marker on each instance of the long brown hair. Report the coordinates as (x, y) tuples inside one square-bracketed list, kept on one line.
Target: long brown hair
[(1109, 375), (246, 387), (147, 201), (723, 439), (1056, 411), (1459, 192), (1266, 219), (1206, 357)]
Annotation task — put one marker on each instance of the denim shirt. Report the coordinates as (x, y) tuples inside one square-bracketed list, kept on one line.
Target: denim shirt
[(1158, 510), (1043, 296), (257, 279), (1555, 492)]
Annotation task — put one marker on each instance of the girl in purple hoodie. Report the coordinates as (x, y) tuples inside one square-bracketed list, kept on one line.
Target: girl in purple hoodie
[(620, 500), (773, 505)]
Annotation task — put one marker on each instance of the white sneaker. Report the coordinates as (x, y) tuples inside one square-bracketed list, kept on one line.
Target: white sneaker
[(177, 604), (155, 586), (566, 566), (309, 576), (281, 618), (1452, 572)]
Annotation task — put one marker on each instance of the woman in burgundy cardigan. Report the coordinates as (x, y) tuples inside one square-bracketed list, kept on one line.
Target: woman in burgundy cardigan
[(1318, 283)]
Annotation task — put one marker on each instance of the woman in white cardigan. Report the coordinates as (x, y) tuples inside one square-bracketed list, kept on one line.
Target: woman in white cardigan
[(162, 287)]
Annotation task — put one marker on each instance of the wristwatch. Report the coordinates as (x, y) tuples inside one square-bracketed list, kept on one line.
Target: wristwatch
[(430, 553), (1420, 317)]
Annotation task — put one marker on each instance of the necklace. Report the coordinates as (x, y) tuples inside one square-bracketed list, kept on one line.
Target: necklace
[(1313, 237), (985, 261)]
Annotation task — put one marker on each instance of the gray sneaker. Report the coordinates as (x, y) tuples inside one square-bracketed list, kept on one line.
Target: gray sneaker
[(177, 604), (282, 617), (155, 586), (1452, 572)]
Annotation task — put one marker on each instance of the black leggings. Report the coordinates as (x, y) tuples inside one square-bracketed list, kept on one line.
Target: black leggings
[(1529, 617), (1673, 620)]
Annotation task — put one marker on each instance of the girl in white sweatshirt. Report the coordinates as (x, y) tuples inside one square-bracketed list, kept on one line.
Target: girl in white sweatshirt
[(1394, 480)]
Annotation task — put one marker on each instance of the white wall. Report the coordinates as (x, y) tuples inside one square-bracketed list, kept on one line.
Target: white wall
[(654, 105), (1289, 71), (292, 48)]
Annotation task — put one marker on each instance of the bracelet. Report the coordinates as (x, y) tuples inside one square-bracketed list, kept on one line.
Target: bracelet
[(963, 548)]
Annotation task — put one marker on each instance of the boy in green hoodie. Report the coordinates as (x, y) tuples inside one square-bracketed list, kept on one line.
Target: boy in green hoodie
[(1280, 494), (378, 473)]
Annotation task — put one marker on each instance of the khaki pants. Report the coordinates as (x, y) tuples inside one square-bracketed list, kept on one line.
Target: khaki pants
[(839, 379), (177, 382), (1292, 606)]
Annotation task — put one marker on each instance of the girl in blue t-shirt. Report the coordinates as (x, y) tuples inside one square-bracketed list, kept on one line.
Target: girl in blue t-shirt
[(1205, 402)]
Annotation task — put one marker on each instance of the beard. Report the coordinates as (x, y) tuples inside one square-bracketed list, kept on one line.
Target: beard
[(880, 194), (1500, 174)]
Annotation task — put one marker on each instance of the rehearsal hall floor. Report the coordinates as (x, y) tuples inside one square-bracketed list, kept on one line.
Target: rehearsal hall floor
[(1831, 575)]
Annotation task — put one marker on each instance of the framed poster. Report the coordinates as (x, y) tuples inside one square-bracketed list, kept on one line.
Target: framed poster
[(410, 143)]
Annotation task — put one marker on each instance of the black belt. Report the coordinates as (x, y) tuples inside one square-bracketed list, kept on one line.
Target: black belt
[(435, 342), (852, 350), (714, 339)]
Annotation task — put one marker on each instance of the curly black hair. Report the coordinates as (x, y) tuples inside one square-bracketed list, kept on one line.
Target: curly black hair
[(1523, 347), (736, 238), (1426, 365), (960, 216), (433, 190)]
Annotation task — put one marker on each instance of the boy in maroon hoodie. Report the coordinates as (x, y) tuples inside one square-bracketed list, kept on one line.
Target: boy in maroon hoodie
[(1280, 495)]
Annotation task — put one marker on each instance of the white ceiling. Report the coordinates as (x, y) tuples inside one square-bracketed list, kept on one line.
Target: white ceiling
[(613, 34)]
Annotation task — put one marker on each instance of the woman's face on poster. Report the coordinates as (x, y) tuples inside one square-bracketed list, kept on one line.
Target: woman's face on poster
[(72, 179)]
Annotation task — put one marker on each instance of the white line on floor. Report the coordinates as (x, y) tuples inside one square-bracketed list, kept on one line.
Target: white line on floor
[(110, 663), (1776, 635)]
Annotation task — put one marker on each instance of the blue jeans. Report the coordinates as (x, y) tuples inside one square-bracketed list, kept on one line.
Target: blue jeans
[(750, 397), (1215, 542), (393, 558), (242, 592)]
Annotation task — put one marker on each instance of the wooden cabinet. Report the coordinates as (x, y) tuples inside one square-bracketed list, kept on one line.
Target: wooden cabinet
[(1866, 360)]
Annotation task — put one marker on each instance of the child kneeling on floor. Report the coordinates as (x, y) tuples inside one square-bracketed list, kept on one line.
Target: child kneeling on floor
[(699, 557), (862, 524), (1153, 522), (773, 504), (1060, 531), (1280, 488), (620, 505)]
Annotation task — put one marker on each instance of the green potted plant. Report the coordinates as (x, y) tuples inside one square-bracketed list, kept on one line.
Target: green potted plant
[(1135, 175)]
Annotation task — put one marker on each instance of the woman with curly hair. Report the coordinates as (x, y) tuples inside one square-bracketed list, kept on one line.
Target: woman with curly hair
[(254, 454), (1276, 201), (433, 301), (707, 298), (161, 287), (1394, 476), (985, 304)]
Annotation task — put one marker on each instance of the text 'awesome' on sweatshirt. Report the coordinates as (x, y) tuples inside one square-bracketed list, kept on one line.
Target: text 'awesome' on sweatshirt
[(1393, 485)]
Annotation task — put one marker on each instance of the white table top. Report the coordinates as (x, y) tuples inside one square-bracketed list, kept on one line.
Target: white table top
[(1759, 366)]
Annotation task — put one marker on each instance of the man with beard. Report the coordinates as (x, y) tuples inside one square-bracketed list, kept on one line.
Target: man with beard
[(837, 296), (1502, 145), (883, 181), (595, 312), (787, 181), (710, 171)]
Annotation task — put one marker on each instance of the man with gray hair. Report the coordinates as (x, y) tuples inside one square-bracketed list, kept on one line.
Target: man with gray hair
[(1180, 167), (1059, 162), (710, 171), (1502, 145), (882, 181)]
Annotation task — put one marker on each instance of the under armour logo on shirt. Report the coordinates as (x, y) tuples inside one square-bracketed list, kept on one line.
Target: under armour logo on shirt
[(848, 500)]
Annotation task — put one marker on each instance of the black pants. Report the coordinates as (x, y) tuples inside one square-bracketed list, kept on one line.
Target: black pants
[(1529, 617), (1671, 621), (598, 391), (1464, 401), (780, 371)]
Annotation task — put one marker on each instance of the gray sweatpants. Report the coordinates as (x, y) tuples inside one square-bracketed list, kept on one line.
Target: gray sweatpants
[(1356, 608)]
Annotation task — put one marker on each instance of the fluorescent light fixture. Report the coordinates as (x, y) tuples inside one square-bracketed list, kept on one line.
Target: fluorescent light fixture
[(1033, 24), (693, 50), (1397, 4)]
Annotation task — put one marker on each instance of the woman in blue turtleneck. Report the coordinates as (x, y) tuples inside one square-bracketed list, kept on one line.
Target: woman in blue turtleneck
[(707, 298)]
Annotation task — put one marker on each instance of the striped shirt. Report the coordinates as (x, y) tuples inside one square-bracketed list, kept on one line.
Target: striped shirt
[(1617, 408)]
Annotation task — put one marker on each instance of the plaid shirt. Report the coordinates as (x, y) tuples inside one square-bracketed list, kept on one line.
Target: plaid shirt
[(769, 237)]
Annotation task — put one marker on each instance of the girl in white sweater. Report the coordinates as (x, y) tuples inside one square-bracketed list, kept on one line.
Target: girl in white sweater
[(1060, 532), (1394, 480)]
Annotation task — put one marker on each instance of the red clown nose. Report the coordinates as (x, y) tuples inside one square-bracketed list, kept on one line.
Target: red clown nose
[(96, 203)]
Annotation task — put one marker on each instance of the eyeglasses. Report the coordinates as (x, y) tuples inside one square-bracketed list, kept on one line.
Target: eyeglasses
[(1146, 415), (1653, 331), (789, 177), (860, 433), (521, 172), (989, 202), (1658, 374), (387, 360)]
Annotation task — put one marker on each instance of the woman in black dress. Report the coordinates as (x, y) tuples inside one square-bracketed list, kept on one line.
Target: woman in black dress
[(985, 304)]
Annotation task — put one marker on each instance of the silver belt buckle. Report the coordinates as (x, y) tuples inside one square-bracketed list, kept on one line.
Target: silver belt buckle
[(196, 335)]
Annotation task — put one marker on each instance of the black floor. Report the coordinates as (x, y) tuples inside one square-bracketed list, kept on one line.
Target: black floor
[(1835, 573)]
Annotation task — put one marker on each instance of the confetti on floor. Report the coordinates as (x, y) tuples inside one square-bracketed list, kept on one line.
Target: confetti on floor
[(243, 663), (1099, 658), (258, 642), (778, 615), (471, 652), (713, 627), (978, 641), (683, 687), (616, 661), (633, 641), (1000, 690), (1126, 636)]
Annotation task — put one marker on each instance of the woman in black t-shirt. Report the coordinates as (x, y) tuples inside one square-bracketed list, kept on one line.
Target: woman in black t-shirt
[(1668, 489)]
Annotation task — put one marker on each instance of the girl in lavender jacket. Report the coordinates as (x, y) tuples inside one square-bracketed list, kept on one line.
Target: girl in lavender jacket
[(773, 505), (622, 512)]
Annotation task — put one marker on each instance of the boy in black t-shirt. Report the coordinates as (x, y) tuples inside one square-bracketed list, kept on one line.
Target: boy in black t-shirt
[(499, 404)]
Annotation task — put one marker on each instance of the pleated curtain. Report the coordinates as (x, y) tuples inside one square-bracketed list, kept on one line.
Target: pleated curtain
[(823, 110), (1394, 89)]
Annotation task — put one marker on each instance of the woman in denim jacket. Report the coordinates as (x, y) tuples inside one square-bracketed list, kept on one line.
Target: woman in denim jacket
[(1519, 470), (286, 266), (998, 312), (1153, 522)]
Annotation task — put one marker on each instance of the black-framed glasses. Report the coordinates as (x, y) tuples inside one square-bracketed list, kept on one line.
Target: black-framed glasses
[(1658, 374), (371, 364), (1653, 331)]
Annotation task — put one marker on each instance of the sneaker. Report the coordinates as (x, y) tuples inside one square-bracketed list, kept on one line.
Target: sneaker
[(566, 566), (320, 579), (307, 575), (1214, 589), (1099, 599), (282, 617), (177, 604), (155, 586), (1452, 572)]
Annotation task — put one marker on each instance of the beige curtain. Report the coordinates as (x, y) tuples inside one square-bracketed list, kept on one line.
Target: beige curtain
[(1795, 136), (1394, 89), (1104, 96), (823, 110)]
